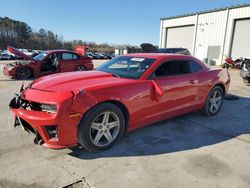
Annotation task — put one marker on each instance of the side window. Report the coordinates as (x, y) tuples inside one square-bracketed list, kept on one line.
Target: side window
[(195, 67), (75, 56), (173, 68), (67, 56)]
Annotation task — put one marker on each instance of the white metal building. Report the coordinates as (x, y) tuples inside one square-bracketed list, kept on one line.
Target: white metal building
[(212, 34)]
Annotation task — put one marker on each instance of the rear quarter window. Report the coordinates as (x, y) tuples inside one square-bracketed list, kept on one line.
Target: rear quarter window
[(195, 67)]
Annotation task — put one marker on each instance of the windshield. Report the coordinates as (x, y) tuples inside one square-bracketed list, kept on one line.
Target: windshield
[(127, 67), (40, 56)]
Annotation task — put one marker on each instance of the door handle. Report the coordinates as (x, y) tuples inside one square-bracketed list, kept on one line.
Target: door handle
[(192, 81)]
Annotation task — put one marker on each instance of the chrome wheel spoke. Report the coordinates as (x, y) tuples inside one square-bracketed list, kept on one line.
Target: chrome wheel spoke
[(217, 99), (113, 124), (211, 107), (214, 95), (97, 137), (106, 117), (96, 126), (108, 136), (216, 106)]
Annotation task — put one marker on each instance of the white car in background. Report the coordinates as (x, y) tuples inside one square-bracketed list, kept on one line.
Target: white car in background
[(6, 55), (26, 52)]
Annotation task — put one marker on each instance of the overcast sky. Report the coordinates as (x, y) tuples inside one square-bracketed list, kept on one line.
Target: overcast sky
[(111, 21)]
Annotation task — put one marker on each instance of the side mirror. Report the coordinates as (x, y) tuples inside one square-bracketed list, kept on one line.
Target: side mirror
[(157, 91)]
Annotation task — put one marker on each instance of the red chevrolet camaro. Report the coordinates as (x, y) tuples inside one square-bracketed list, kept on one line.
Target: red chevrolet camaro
[(45, 63), (95, 108)]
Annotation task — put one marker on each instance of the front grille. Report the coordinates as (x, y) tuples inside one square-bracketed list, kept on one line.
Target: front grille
[(51, 130)]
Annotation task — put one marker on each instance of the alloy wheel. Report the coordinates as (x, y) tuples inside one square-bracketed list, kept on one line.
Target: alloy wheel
[(104, 129), (215, 101), (23, 73), (80, 68)]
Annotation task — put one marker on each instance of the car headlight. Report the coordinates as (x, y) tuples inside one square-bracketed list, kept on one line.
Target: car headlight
[(50, 108), (10, 68)]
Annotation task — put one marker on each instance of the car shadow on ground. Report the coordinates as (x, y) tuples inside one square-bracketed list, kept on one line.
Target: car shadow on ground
[(182, 133)]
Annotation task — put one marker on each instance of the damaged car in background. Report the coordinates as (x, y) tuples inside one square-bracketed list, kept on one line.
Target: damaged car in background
[(94, 109), (45, 63), (245, 70)]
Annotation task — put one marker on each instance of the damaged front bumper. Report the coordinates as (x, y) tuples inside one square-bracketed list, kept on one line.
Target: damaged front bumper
[(55, 130), (9, 72)]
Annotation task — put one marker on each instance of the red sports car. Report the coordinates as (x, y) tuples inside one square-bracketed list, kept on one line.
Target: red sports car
[(45, 63), (95, 108)]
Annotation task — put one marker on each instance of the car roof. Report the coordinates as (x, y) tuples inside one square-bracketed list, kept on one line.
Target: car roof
[(60, 50), (156, 55), (174, 48)]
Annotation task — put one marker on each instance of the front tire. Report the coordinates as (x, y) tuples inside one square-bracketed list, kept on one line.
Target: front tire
[(213, 102), (101, 127), (23, 73), (246, 80)]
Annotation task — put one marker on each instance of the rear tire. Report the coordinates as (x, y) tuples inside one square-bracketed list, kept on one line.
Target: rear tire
[(213, 102), (80, 68), (246, 80), (23, 73), (101, 127)]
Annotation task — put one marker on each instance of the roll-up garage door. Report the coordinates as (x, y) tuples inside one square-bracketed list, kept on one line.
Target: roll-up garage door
[(180, 37), (241, 39)]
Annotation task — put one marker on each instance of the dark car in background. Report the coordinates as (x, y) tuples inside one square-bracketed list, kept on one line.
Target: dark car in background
[(150, 48), (183, 51), (45, 63)]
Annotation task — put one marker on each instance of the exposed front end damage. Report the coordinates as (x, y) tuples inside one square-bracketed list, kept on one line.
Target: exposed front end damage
[(42, 118), (10, 68)]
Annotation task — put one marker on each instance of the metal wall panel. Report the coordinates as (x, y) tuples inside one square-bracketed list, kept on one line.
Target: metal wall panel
[(241, 39), (210, 32), (234, 14), (180, 37), (176, 22), (214, 28)]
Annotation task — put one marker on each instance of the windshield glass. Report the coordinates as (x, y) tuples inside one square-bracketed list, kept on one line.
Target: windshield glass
[(127, 67), (40, 56)]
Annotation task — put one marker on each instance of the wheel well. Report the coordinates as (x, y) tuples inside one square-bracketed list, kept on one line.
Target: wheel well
[(222, 87)]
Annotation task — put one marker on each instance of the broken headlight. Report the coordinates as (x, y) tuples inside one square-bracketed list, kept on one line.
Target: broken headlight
[(10, 68), (50, 108)]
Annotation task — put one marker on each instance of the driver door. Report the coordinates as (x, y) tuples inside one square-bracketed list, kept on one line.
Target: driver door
[(50, 64), (179, 89)]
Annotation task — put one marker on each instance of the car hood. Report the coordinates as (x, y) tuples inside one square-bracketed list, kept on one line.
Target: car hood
[(18, 63), (76, 81), (19, 53)]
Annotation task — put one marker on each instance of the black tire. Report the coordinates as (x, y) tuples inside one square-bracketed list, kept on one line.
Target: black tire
[(92, 127), (246, 80), (23, 73), (209, 106), (80, 68)]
